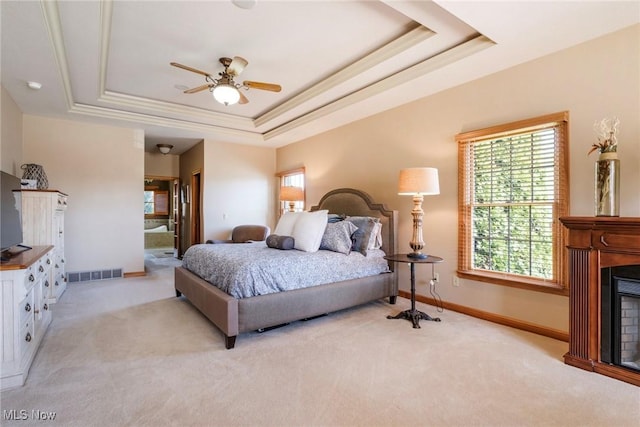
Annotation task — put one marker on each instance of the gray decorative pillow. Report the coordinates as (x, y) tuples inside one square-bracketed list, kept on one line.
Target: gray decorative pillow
[(337, 237), (280, 242), (364, 238), (336, 217)]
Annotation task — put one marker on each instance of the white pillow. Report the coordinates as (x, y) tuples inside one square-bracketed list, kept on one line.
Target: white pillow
[(309, 229), (286, 223)]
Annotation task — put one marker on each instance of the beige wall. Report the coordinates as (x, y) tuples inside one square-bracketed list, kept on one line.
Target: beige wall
[(594, 80), (11, 135), (239, 187), (158, 164), (101, 168)]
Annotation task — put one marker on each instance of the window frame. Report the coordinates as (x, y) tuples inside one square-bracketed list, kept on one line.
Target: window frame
[(283, 178), (160, 201), (558, 284)]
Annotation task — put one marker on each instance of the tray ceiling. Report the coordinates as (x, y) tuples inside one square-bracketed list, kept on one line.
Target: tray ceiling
[(337, 61)]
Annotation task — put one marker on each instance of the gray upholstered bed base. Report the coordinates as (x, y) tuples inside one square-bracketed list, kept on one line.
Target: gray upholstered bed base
[(234, 316)]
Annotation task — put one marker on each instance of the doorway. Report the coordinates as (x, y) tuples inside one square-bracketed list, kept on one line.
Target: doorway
[(161, 219)]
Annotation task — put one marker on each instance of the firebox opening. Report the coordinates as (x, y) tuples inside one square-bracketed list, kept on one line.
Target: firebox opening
[(620, 316)]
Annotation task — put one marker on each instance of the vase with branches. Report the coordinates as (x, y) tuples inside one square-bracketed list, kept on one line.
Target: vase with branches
[(607, 168)]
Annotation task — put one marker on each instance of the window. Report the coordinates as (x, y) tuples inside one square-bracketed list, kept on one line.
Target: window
[(156, 202), (513, 187), (292, 178)]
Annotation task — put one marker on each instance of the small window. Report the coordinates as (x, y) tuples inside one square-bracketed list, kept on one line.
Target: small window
[(156, 202), (513, 187), (292, 178)]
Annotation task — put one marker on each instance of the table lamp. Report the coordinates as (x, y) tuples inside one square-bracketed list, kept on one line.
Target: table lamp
[(291, 195), (418, 182)]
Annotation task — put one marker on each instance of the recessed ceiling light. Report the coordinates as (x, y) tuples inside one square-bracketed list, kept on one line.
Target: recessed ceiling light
[(34, 85), (244, 4)]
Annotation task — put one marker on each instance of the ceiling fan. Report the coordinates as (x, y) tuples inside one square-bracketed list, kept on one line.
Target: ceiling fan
[(225, 90)]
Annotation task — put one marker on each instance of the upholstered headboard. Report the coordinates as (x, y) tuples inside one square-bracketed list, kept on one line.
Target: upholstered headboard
[(349, 201)]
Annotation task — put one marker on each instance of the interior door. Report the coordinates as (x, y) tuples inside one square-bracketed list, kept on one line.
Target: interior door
[(196, 212), (175, 206)]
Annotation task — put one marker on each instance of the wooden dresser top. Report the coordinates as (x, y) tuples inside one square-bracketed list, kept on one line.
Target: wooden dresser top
[(25, 259)]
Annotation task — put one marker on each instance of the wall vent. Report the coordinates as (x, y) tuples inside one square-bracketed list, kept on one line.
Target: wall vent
[(86, 276)]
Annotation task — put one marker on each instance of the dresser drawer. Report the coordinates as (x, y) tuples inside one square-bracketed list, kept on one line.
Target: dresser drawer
[(27, 338), (41, 269), (47, 288), (61, 204), (26, 308), (30, 278)]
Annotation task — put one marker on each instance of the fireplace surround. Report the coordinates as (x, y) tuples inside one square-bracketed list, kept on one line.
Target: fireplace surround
[(604, 262)]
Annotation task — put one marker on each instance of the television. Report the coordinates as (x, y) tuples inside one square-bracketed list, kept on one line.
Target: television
[(10, 215)]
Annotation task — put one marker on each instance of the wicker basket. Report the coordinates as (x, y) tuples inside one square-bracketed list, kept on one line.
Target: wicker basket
[(33, 171)]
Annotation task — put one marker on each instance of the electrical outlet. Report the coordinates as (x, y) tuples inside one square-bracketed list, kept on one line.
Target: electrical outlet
[(436, 277), (455, 281)]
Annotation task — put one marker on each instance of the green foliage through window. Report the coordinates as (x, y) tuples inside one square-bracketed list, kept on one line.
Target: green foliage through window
[(148, 203), (513, 189), (513, 204)]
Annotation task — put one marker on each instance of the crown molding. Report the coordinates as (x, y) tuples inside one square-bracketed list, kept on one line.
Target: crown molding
[(106, 13), (435, 62), (111, 113), (125, 100), (52, 22), (409, 39)]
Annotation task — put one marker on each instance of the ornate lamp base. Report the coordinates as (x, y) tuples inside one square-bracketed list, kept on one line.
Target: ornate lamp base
[(417, 255)]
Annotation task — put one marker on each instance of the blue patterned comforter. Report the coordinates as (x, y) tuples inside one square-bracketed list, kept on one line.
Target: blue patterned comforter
[(249, 269)]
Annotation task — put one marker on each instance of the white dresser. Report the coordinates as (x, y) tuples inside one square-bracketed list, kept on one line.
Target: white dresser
[(43, 224), (25, 311)]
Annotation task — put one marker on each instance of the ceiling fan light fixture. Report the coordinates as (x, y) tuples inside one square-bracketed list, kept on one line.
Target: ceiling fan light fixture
[(226, 94), (164, 148)]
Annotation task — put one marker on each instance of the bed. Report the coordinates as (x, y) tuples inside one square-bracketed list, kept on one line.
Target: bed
[(234, 316)]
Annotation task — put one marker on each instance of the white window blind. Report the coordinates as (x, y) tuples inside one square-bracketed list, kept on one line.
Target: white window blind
[(513, 188)]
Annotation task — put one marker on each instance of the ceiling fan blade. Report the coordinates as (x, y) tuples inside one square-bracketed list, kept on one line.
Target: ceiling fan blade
[(237, 65), (185, 67), (243, 99), (198, 89), (262, 86)]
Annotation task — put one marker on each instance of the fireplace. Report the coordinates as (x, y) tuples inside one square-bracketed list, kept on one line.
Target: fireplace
[(620, 316), (604, 295)]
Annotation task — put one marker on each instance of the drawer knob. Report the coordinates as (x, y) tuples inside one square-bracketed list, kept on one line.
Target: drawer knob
[(27, 307), (28, 337), (49, 261), (57, 283), (46, 283), (31, 278), (46, 307), (41, 269)]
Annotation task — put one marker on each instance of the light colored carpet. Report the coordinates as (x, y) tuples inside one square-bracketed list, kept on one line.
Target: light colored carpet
[(159, 258), (129, 353)]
